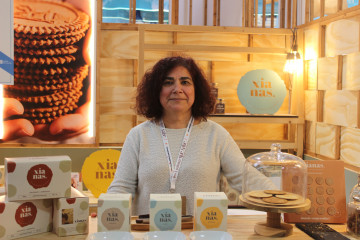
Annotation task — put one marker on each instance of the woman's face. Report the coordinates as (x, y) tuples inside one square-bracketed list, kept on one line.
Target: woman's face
[(177, 93)]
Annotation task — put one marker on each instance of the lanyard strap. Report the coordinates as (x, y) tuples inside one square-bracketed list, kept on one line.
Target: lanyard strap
[(174, 170)]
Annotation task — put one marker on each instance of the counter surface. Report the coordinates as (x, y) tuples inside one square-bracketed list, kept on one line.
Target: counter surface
[(239, 226)]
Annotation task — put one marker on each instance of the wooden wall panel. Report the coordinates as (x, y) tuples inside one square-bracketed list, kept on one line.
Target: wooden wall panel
[(327, 140), (250, 131), (351, 72), (311, 105), (350, 146), (114, 128), (327, 73), (158, 37), (311, 41), (212, 39), (341, 37), (311, 74), (116, 72), (310, 136), (117, 94), (119, 44), (341, 108)]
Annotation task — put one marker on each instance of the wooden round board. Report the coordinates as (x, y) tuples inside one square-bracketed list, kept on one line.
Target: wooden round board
[(146, 226), (275, 208)]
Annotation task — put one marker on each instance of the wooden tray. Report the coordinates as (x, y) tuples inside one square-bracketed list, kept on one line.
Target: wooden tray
[(145, 226)]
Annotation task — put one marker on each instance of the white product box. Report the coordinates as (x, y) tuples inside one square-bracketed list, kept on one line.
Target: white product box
[(114, 212), (24, 218), (37, 177), (76, 181), (165, 212), (210, 211), (2, 175), (71, 215), (2, 191)]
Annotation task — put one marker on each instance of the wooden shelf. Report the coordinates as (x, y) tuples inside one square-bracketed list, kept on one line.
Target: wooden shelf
[(296, 126)]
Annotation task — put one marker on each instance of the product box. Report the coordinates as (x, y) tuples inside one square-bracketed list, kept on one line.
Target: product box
[(210, 211), (2, 191), (71, 215), (2, 175), (165, 212), (24, 218), (28, 178), (76, 181), (114, 212), (326, 191)]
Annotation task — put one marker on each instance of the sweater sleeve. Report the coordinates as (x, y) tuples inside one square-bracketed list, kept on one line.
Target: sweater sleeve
[(125, 179), (233, 167)]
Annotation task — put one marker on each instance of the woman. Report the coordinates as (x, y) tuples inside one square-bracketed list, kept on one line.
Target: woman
[(178, 149)]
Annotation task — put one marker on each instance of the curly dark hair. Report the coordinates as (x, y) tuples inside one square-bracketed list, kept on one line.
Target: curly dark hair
[(148, 91)]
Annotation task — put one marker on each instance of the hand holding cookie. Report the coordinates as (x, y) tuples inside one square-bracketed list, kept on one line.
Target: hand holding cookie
[(15, 127)]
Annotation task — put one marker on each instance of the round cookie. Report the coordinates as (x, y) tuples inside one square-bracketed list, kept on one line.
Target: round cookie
[(288, 196), (319, 180), (330, 191), (47, 17), (321, 210), (274, 192), (331, 211), (320, 200), (259, 194), (320, 190), (274, 200)]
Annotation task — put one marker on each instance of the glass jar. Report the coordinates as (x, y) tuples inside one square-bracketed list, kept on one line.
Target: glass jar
[(287, 172), (220, 106), (353, 210)]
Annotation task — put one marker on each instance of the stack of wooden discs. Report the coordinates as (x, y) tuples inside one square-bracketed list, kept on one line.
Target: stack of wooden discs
[(274, 197), (49, 68)]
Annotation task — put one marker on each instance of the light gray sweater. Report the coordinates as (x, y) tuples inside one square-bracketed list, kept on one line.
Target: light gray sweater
[(143, 167)]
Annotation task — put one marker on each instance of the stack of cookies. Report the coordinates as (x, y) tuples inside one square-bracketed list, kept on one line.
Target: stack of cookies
[(274, 197), (49, 71)]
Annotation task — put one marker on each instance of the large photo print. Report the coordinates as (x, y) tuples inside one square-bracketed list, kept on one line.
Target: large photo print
[(51, 99)]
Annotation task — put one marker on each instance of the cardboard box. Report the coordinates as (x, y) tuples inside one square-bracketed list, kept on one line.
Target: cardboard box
[(165, 212), (24, 218), (71, 215), (28, 178), (2, 175), (210, 211), (114, 212)]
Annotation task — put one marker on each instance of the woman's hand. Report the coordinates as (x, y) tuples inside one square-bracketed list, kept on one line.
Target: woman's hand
[(15, 128)]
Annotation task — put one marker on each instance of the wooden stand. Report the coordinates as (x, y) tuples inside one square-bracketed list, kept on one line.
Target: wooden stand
[(273, 227)]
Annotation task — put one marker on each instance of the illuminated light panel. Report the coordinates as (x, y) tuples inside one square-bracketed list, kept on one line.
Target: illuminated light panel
[(92, 50), (1, 112)]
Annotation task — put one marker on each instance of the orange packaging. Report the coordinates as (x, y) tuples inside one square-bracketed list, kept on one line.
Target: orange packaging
[(326, 191)]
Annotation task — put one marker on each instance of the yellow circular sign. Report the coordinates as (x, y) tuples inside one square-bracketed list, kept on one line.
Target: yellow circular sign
[(99, 169)]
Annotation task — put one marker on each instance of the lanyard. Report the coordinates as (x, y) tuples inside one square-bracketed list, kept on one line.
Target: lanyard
[(175, 170)]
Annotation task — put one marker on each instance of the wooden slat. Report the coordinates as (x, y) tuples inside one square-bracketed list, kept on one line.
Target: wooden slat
[(322, 8), (322, 39), (282, 13), (251, 13), (161, 12), (294, 14), (307, 11), (340, 72), (339, 5), (264, 14), (196, 48), (175, 12), (312, 10), (190, 12), (205, 12), (272, 13), (320, 105), (288, 22), (310, 136), (256, 12)]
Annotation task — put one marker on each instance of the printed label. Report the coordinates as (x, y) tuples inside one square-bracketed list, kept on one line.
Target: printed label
[(39, 176), (211, 217), (25, 214), (166, 219), (112, 219)]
